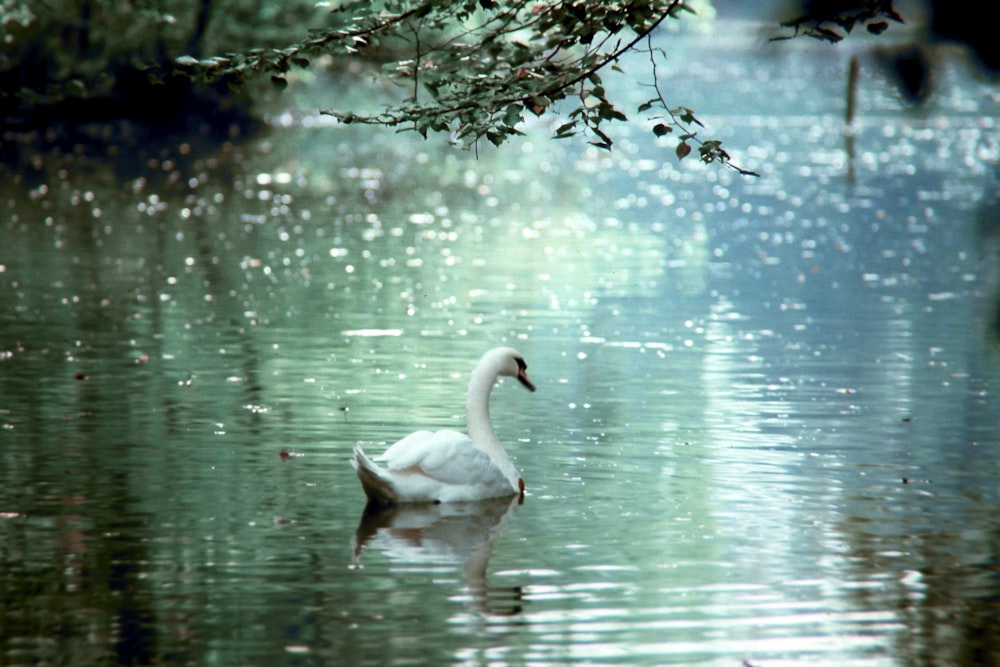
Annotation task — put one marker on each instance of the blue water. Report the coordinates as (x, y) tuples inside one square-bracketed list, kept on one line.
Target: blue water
[(765, 427)]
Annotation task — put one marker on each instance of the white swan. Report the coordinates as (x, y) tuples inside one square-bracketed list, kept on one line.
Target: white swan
[(448, 466)]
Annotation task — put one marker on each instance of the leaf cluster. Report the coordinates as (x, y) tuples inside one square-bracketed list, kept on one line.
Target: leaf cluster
[(682, 121), (833, 20), (474, 69)]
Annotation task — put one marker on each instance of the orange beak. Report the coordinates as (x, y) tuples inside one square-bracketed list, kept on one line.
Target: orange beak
[(522, 377)]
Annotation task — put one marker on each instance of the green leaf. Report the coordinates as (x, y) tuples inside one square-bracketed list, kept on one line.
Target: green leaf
[(76, 88), (605, 141), (279, 82), (512, 115), (606, 112), (566, 130), (661, 129), (28, 96)]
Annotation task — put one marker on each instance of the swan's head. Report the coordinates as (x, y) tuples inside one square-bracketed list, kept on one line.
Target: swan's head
[(508, 361)]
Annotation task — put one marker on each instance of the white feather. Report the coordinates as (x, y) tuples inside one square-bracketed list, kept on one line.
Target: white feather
[(448, 466)]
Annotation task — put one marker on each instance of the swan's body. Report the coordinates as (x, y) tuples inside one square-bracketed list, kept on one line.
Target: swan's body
[(448, 466)]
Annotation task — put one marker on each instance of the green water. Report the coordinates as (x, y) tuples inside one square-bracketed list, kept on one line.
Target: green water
[(766, 425)]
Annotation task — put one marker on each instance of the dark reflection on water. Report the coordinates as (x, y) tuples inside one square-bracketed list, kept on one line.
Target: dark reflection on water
[(766, 426), (62, 587)]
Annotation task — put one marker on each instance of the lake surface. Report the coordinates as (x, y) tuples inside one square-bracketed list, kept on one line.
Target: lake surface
[(766, 428)]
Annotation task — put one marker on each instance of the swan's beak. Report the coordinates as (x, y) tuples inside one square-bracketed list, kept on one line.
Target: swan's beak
[(522, 377)]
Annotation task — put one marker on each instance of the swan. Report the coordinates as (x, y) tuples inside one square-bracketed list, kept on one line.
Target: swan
[(448, 466)]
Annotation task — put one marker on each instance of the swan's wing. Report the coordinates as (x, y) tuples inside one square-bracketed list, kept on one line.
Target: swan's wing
[(406, 452), (447, 456)]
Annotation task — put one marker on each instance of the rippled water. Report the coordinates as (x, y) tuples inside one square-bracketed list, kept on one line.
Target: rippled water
[(765, 430)]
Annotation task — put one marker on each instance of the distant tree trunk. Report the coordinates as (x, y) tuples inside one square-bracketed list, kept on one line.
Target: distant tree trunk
[(83, 45), (849, 127), (195, 46), (75, 33)]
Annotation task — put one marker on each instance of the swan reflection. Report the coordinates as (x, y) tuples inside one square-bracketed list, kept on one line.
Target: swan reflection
[(446, 533)]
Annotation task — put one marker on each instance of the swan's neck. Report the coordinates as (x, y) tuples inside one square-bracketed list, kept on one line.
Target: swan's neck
[(477, 419)]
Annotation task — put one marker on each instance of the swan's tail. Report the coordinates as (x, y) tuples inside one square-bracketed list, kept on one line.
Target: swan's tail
[(378, 489)]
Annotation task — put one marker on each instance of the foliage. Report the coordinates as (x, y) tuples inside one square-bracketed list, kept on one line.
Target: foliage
[(60, 50), (832, 20), (683, 120), (472, 69), (479, 69)]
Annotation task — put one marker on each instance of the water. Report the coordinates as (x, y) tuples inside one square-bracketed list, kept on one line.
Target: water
[(765, 427)]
